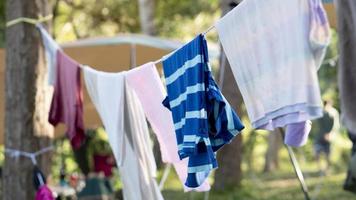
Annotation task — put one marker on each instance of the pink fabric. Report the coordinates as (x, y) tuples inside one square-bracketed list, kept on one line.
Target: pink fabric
[(146, 83), (44, 193), (67, 101)]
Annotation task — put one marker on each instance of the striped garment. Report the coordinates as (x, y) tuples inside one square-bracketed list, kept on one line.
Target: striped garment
[(203, 119)]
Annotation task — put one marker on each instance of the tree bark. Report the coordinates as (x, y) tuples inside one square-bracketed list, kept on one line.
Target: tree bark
[(147, 12), (271, 157), (27, 98), (230, 156), (346, 10)]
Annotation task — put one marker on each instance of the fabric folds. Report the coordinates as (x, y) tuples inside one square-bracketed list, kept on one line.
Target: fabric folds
[(275, 49), (51, 48), (203, 119), (146, 83), (124, 120), (67, 101)]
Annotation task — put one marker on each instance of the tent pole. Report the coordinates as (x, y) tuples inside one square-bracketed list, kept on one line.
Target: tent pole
[(165, 176), (296, 167)]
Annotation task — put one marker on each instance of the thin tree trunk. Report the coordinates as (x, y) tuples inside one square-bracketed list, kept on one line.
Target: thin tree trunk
[(26, 99), (271, 157), (346, 10), (147, 11), (230, 156)]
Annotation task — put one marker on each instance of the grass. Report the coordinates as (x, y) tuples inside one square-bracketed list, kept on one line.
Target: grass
[(272, 186), (281, 184)]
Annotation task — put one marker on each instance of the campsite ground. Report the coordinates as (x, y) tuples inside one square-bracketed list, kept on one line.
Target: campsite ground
[(273, 186), (280, 184)]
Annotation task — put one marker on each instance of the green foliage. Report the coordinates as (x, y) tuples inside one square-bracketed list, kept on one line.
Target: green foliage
[(328, 72), (184, 18), (2, 23), (80, 19), (181, 19)]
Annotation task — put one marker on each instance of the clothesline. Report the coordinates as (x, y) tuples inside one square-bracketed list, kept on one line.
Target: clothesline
[(14, 153), (167, 55), (49, 17), (29, 20)]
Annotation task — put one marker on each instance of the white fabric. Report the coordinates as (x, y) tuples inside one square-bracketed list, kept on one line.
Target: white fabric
[(125, 123), (273, 60), (51, 48), (139, 167), (106, 92)]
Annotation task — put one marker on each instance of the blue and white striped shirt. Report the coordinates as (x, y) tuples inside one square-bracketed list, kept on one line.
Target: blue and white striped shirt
[(203, 119)]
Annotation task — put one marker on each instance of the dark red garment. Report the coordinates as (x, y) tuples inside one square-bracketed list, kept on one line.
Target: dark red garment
[(104, 164), (67, 101), (44, 193)]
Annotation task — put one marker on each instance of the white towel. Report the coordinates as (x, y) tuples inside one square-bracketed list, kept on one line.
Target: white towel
[(106, 92), (274, 59), (126, 126), (51, 48)]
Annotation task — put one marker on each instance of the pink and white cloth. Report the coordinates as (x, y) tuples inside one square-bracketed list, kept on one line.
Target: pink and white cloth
[(148, 86)]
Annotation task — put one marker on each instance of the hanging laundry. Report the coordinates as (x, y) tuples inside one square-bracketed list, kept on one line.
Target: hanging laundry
[(148, 86), (44, 193), (39, 180), (106, 92), (275, 49), (320, 32), (67, 101), (203, 119), (125, 123), (51, 48)]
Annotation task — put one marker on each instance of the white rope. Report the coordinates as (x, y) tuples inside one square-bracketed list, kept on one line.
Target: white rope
[(14, 153), (28, 20)]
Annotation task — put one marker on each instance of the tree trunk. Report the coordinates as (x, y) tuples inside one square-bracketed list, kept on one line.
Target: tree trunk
[(271, 157), (26, 99), (230, 156), (147, 11), (346, 10)]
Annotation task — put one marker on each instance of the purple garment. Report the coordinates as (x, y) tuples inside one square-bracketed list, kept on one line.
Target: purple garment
[(44, 193), (297, 133), (102, 163), (67, 101)]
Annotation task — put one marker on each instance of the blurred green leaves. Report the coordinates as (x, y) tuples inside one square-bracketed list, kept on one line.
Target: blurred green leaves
[(181, 19), (2, 23)]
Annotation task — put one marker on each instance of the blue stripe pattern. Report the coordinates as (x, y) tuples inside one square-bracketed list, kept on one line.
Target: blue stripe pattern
[(203, 119)]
